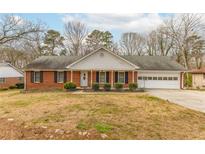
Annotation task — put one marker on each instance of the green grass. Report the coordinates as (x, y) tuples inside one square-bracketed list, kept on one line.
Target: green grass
[(82, 126), (103, 128)]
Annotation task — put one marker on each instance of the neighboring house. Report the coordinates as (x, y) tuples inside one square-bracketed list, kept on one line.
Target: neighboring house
[(198, 78), (9, 75), (103, 66)]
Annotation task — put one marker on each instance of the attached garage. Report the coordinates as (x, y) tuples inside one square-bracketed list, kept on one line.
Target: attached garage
[(158, 72), (159, 79)]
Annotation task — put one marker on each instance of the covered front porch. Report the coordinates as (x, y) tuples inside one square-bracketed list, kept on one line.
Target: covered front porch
[(86, 78)]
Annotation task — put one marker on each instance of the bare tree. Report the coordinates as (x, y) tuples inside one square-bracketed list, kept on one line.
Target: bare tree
[(151, 44), (182, 29), (75, 33), (132, 44), (15, 28)]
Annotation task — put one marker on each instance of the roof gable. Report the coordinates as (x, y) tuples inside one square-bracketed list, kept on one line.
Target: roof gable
[(102, 59), (7, 70)]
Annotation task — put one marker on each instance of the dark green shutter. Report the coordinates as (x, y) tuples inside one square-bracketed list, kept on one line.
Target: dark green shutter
[(116, 77), (107, 77), (126, 77), (65, 76), (55, 77), (41, 76), (97, 77), (32, 77)]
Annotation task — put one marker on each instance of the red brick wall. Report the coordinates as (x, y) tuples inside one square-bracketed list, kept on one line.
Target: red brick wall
[(76, 78), (48, 80), (11, 81)]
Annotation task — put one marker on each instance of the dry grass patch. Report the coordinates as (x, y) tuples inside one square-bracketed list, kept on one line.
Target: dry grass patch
[(118, 115)]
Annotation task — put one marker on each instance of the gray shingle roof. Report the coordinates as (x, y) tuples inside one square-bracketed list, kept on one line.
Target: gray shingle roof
[(52, 62), (144, 62), (154, 63)]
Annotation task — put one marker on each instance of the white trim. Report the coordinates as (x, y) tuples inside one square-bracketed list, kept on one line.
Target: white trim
[(4, 79), (135, 66), (16, 69), (119, 76), (34, 77), (159, 71), (57, 76), (71, 75), (105, 77)]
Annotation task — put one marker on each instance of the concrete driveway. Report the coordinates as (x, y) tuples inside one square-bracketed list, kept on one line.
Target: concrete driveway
[(187, 98)]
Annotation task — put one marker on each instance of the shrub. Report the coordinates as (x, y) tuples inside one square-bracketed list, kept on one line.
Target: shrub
[(118, 86), (95, 86), (12, 87), (133, 86), (70, 86), (3, 89), (187, 80), (20, 85), (107, 86)]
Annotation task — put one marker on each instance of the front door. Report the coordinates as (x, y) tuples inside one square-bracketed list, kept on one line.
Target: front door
[(84, 79)]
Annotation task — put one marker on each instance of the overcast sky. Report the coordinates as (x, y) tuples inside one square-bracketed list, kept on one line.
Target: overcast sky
[(115, 23)]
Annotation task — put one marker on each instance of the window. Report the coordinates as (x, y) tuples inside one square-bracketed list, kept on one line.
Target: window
[(121, 77), (149, 78), (164, 78), (159, 78), (2, 80), (37, 77), (169, 78), (60, 77), (102, 77), (20, 79), (139, 78), (144, 78), (175, 78), (154, 78)]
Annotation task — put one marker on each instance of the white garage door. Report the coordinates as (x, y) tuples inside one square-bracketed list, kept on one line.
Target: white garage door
[(160, 80)]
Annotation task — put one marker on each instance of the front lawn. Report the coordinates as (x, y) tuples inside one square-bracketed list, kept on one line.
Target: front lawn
[(112, 115)]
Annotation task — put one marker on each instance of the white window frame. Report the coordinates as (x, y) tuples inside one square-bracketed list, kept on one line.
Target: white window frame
[(119, 76), (154, 78), (2, 80), (139, 77), (105, 77), (34, 76), (175, 78), (58, 77)]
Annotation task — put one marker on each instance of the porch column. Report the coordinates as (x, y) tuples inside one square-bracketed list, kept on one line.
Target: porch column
[(71, 76), (112, 78), (133, 76), (91, 78)]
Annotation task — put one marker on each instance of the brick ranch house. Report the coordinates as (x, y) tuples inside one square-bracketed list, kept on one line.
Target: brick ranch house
[(9, 75), (103, 66)]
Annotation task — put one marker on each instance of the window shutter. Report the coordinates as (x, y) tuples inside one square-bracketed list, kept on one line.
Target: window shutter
[(126, 77), (97, 77), (107, 77), (55, 77), (116, 77), (32, 77), (41, 76), (65, 76)]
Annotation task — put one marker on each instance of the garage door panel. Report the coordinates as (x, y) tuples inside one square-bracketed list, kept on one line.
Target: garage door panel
[(160, 84)]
